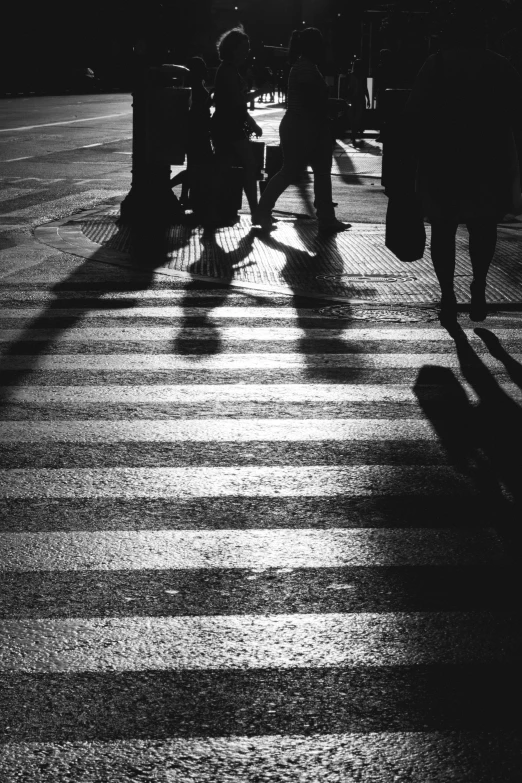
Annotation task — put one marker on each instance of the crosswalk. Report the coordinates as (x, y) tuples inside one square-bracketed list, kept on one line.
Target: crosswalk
[(244, 541)]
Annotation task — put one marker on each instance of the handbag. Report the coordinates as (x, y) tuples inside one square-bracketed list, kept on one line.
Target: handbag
[(405, 233)]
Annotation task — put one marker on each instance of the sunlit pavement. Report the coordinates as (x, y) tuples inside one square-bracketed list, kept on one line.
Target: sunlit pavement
[(249, 532), (353, 266)]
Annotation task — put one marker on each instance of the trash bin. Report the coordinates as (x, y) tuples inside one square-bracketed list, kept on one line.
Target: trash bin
[(168, 103)]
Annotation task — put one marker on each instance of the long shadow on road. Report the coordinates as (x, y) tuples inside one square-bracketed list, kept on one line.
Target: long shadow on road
[(482, 440), (78, 295)]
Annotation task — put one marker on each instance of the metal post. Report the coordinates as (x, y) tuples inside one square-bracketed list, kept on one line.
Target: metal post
[(150, 199)]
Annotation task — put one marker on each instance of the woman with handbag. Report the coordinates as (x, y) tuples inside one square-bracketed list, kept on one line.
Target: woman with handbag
[(231, 124), (465, 105), (305, 133)]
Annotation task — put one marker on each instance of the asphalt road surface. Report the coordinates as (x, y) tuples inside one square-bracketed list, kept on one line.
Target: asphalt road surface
[(61, 154), (242, 540)]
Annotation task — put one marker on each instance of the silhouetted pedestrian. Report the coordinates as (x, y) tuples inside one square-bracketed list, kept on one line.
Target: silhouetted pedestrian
[(199, 147), (305, 133), (466, 100), (231, 123)]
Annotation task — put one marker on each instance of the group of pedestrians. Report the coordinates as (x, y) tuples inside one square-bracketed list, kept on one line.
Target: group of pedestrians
[(305, 129), (463, 113)]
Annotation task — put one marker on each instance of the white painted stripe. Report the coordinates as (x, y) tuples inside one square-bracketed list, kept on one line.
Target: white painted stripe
[(236, 481), (258, 549), (237, 361), (210, 430), (364, 757), (97, 144), (251, 642), (14, 160), (226, 294), (64, 122), (173, 311), (196, 394), (240, 333)]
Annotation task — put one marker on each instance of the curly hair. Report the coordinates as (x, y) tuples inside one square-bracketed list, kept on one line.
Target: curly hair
[(308, 43), (229, 42)]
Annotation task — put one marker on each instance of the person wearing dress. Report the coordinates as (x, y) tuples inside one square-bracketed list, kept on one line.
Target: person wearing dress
[(465, 105), (305, 133), (231, 124)]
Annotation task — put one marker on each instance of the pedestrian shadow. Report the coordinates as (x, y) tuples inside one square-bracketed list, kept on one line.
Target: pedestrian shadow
[(318, 255), (345, 164), (513, 368), (213, 262), (482, 440), (77, 294)]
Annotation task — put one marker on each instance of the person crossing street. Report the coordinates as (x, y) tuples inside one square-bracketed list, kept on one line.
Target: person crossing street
[(305, 133)]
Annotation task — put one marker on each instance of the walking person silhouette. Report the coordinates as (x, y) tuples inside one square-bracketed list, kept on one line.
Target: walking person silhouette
[(231, 124), (199, 149), (305, 133), (464, 106)]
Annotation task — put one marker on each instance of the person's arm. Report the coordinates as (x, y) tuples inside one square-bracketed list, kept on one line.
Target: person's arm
[(232, 96), (253, 127)]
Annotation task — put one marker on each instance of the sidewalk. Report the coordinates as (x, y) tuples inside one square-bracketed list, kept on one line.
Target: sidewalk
[(352, 266)]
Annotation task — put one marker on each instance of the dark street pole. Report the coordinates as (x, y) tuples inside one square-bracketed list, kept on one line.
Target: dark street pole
[(159, 111)]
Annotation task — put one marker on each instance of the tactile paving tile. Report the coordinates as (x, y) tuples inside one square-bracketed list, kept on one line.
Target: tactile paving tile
[(354, 263)]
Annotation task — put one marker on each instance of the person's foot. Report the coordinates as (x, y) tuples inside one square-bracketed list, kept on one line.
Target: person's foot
[(333, 225), (448, 310), (478, 310), (263, 219)]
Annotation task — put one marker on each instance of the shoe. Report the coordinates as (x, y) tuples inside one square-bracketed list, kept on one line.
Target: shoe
[(478, 310), (448, 310), (264, 220), (333, 225)]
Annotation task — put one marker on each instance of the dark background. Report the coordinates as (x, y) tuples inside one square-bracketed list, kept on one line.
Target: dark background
[(47, 47)]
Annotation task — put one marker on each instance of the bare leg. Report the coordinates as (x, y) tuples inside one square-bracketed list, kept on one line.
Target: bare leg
[(295, 147), (443, 259), (482, 244), (278, 183)]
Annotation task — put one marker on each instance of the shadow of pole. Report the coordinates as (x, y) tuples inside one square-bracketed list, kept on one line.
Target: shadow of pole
[(21, 358)]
